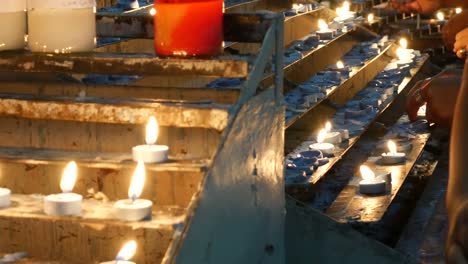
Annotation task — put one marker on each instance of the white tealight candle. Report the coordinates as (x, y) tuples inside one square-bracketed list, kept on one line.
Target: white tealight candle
[(5, 197), (134, 209), (151, 153), (65, 203), (392, 157), (332, 137), (371, 183), (458, 10), (126, 253), (325, 148), (324, 33)]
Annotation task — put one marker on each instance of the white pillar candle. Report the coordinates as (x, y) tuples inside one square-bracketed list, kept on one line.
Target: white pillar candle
[(325, 148), (371, 183), (126, 253), (5, 197), (13, 19), (392, 157), (151, 153), (61, 26), (134, 209), (65, 203)]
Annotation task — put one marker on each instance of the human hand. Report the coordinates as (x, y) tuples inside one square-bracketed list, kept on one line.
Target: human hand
[(461, 43), (415, 6), (455, 24), (439, 94)]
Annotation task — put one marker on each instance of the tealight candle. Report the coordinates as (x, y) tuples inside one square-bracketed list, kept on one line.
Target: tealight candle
[(344, 13), (392, 157), (371, 183), (325, 148), (151, 153), (65, 203), (125, 254), (324, 33), (458, 10), (5, 197), (134, 209), (332, 137)]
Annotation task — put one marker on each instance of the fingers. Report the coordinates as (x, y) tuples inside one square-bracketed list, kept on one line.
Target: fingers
[(414, 100), (461, 43)]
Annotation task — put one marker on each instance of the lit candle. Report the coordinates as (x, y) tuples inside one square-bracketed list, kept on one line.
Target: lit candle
[(325, 148), (151, 153), (340, 67), (186, 27), (65, 203), (440, 16), (371, 183), (392, 157), (332, 137), (299, 8), (134, 209), (405, 56), (5, 197), (458, 10), (125, 254), (370, 18), (324, 33), (344, 12)]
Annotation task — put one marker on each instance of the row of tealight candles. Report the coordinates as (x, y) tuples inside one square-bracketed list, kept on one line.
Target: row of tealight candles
[(372, 183), (68, 203)]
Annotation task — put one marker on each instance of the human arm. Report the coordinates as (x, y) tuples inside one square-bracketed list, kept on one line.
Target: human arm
[(425, 6), (457, 194)]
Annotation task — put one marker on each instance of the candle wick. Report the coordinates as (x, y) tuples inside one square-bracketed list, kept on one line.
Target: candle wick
[(133, 198)]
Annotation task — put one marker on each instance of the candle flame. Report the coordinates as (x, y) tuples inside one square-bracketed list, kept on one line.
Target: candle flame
[(403, 43), (370, 18), (68, 177), (127, 251), (458, 10), (152, 131), (321, 135), (322, 25), (340, 65), (392, 148), (328, 126), (346, 6), (152, 11), (366, 173), (138, 182), (440, 16)]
